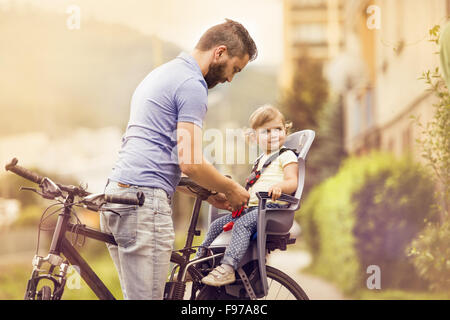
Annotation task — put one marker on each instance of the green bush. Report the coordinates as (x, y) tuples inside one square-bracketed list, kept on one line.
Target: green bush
[(390, 210), (431, 255), (365, 215)]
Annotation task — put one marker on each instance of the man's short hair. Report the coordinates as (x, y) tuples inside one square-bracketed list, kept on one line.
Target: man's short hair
[(231, 34)]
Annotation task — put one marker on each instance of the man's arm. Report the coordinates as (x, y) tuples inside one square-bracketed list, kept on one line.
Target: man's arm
[(192, 164), (218, 200)]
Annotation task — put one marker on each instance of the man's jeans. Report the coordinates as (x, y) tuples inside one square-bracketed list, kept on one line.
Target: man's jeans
[(145, 238)]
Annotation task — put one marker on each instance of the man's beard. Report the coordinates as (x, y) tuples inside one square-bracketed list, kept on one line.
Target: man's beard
[(215, 74)]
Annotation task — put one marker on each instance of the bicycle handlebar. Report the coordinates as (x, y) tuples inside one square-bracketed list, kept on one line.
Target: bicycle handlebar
[(196, 188), (36, 178), (24, 173), (185, 181)]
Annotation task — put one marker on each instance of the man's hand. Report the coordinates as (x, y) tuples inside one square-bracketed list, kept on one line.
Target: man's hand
[(237, 196), (220, 201)]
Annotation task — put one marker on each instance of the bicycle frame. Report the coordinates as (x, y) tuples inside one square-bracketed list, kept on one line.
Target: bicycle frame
[(176, 289), (61, 245)]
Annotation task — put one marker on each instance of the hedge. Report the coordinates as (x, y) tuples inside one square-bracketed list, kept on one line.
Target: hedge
[(367, 214)]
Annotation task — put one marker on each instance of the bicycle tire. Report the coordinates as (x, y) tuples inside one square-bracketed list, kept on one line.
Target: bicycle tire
[(44, 294), (273, 274)]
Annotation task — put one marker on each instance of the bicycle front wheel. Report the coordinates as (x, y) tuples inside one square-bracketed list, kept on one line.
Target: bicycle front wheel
[(281, 287)]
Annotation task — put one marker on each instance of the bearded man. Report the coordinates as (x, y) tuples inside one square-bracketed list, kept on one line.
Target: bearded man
[(163, 139)]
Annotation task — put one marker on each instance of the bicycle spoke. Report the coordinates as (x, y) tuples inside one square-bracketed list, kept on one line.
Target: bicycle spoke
[(268, 290), (280, 286), (278, 291), (287, 297)]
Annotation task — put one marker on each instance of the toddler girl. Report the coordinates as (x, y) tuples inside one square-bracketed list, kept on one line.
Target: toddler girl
[(269, 130)]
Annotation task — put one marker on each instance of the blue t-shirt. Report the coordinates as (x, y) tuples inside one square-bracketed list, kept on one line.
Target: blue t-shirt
[(173, 92)]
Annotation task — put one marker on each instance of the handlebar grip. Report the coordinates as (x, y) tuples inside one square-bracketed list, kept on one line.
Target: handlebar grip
[(138, 200), (24, 173)]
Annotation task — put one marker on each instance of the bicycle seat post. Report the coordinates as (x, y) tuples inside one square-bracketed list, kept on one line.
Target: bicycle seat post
[(192, 232)]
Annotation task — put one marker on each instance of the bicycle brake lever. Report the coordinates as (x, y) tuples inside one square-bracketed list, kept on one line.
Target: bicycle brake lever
[(50, 190), (30, 189)]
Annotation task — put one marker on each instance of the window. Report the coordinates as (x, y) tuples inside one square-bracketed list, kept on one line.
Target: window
[(312, 33), (399, 13), (369, 108), (356, 118), (391, 145), (407, 139), (309, 3)]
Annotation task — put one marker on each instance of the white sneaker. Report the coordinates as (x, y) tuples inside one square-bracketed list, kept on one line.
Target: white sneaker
[(219, 277)]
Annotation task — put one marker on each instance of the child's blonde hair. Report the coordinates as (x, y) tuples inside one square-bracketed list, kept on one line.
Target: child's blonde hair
[(267, 113)]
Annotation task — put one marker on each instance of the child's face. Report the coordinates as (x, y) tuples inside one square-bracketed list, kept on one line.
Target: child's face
[(271, 136)]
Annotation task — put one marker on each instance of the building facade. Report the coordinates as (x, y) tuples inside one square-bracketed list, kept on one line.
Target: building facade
[(386, 50), (313, 28)]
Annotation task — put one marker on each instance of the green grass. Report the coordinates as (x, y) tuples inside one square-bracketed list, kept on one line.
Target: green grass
[(400, 295), (381, 294), (13, 281), (14, 277)]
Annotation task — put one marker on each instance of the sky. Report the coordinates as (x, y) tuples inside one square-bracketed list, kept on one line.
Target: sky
[(184, 21)]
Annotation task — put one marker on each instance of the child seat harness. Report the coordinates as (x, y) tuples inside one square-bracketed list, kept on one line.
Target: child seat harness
[(251, 180)]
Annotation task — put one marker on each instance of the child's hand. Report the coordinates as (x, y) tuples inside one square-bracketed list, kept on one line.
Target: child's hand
[(275, 191)]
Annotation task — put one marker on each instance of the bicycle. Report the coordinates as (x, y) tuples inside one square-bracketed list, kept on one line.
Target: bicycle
[(62, 253)]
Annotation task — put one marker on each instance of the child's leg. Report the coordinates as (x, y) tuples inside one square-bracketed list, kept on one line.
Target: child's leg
[(243, 228), (240, 239), (215, 229)]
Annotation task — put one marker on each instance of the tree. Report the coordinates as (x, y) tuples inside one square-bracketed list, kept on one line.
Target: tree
[(436, 134), (328, 150), (304, 101), (308, 105), (430, 251)]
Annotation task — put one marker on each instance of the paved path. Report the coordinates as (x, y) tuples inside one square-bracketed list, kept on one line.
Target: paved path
[(292, 262)]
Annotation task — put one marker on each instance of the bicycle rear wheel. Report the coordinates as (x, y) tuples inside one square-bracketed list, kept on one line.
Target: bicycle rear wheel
[(281, 287)]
